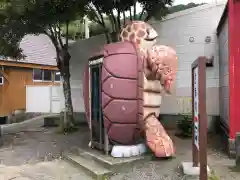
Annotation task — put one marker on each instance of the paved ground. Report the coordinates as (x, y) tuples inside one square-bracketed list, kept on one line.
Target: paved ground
[(27, 154)]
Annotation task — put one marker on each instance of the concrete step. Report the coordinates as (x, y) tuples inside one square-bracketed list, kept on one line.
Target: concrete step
[(114, 164), (91, 167)]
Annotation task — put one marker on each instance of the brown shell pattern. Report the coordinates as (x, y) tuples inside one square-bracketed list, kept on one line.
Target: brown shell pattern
[(163, 63)]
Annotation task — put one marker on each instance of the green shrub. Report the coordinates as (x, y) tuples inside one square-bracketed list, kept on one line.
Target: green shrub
[(213, 176), (185, 125)]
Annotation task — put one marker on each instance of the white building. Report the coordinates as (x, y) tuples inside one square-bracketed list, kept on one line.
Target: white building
[(185, 31)]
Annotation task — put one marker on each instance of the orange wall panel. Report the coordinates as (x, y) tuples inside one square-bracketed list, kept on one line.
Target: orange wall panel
[(13, 92)]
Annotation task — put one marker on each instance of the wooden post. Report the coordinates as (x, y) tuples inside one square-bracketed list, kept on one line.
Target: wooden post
[(199, 116)]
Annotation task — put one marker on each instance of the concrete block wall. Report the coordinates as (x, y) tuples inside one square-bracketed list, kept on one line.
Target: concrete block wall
[(80, 52), (176, 31)]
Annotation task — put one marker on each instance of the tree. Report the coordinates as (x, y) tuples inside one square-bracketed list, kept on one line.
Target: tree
[(76, 28), (182, 7), (115, 11), (21, 17)]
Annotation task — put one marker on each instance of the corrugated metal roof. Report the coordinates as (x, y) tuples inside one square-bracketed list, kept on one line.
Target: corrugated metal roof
[(38, 50)]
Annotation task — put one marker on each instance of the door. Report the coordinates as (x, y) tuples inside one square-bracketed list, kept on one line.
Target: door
[(96, 109)]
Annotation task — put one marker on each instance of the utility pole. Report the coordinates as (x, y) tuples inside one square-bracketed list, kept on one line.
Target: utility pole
[(86, 27)]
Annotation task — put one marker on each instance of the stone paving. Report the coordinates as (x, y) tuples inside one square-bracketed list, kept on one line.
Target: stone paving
[(34, 154)]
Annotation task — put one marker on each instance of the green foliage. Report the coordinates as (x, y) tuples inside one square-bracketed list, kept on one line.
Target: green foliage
[(182, 7), (76, 28), (155, 8), (21, 17), (213, 176), (176, 8), (114, 12), (185, 125)]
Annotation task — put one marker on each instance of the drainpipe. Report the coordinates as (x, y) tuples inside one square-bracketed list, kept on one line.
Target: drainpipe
[(86, 27)]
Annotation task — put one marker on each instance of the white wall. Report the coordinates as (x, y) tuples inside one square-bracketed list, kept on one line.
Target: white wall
[(223, 71), (80, 52), (43, 99), (175, 31)]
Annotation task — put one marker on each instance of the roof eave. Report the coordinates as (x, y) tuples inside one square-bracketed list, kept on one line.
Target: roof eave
[(222, 19)]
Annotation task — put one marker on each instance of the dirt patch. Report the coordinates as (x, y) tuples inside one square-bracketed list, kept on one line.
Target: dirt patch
[(34, 145)]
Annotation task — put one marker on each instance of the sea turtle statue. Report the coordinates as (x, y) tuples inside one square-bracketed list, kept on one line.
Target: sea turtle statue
[(135, 74)]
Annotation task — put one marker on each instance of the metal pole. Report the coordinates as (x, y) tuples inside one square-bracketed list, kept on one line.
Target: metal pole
[(86, 27)]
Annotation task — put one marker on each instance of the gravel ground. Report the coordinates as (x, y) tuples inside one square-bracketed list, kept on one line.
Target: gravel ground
[(169, 169), (38, 144), (160, 169), (32, 145)]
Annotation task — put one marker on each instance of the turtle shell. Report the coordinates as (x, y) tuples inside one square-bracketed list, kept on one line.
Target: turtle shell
[(122, 94)]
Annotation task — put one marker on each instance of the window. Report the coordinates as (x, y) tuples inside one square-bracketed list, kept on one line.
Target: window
[(47, 75), (56, 76), (42, 75), (37, 75), (3, 57)]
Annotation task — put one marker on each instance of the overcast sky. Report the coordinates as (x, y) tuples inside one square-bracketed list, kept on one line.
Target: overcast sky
[(176, 2)]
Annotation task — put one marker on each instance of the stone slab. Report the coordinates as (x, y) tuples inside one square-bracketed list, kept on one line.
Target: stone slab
[(107, 159), (189, 170), (92, 168), (52, 121)]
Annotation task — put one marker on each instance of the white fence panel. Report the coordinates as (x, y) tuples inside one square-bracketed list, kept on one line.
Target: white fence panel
[(43, 99), (55, 99)]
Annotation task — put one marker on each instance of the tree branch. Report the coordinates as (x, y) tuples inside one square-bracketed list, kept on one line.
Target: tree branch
[(58, 34), (124, 17), (114, 21), (54, 41), (141, 15), (130, 12), (52, 37), (101, 16), (95, 16), (66, 36), (119, 18), (134, 10)]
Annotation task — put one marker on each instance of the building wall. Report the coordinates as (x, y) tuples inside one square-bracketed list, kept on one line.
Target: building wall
[(224, 73), (13, 92), (175, 31), (80, 53)]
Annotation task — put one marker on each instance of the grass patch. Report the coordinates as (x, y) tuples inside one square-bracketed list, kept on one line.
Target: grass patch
[(213, 176)]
